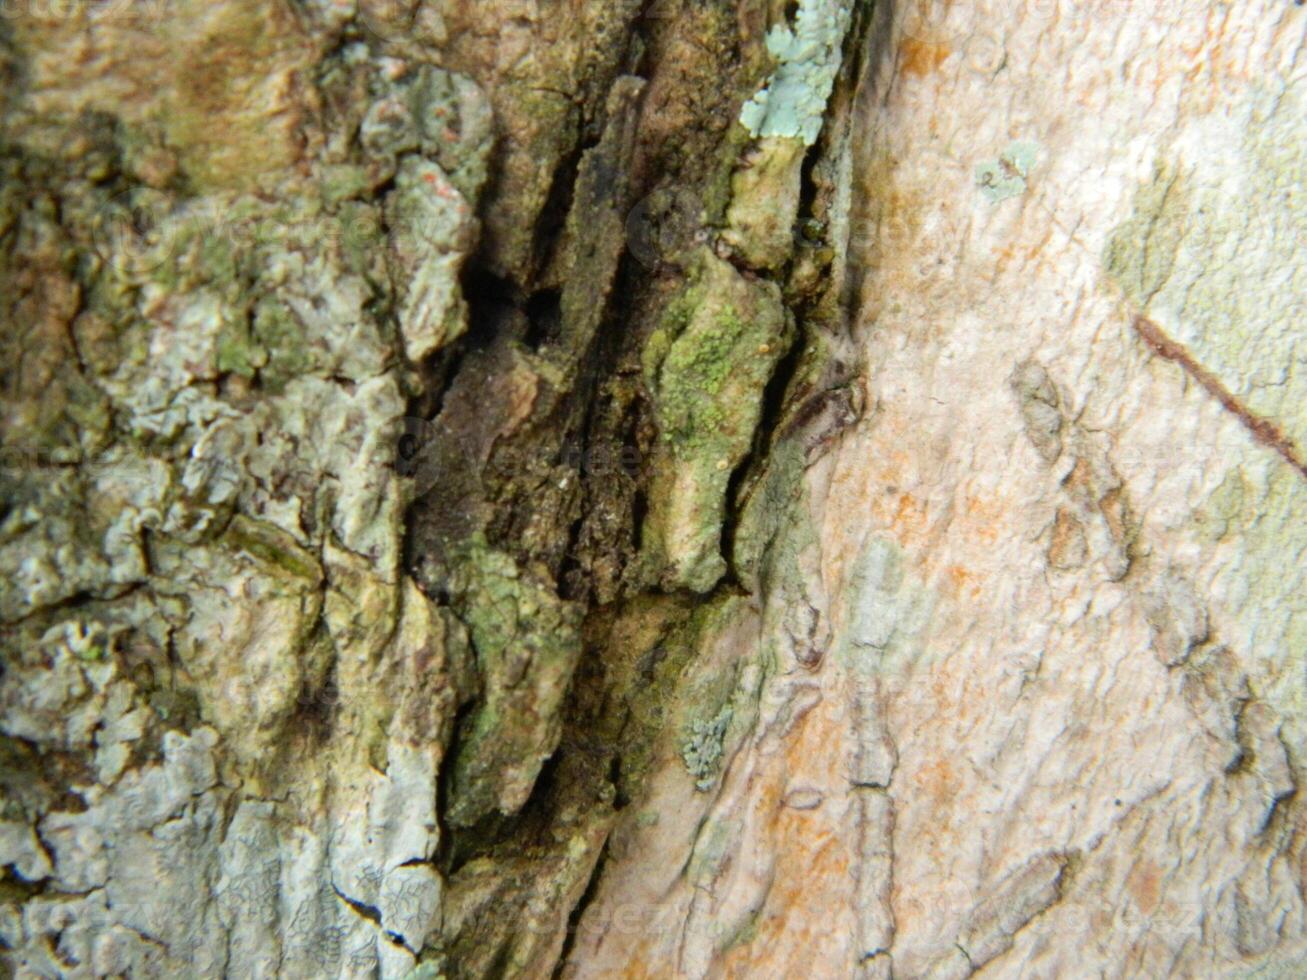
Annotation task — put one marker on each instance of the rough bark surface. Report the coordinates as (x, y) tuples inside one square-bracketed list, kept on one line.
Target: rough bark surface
[(686, 489)]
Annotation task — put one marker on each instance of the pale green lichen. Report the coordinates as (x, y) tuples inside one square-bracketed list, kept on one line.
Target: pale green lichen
[(793, 102), (716, 843), (426, 971), (1141, 252), (274, 547), (1260, 510), (889, 609), (84, 641), (702, 749), (431, 228), (716, 689), (1006, 177), (708, 367), (224, 509)]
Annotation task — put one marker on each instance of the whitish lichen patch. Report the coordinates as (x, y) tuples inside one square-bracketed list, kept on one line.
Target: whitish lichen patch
[(1006, 177), (432, 231), (1261, 507), (888, 609), (793, 101)]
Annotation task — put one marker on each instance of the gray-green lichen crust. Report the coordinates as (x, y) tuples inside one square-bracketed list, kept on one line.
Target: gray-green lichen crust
[(527, 644), (702, 750)]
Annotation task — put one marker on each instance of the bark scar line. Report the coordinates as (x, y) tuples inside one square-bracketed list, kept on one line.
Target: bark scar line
[(1263, 430)]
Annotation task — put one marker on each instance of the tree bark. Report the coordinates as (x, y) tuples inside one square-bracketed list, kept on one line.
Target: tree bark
[(680, 489)]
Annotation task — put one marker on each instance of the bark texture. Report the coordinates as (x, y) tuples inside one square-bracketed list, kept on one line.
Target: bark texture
[(686, 489)]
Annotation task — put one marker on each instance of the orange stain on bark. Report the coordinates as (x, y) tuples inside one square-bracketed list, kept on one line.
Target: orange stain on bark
[(921, 57), (1144, 885), (938, 780), (960, 581)]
